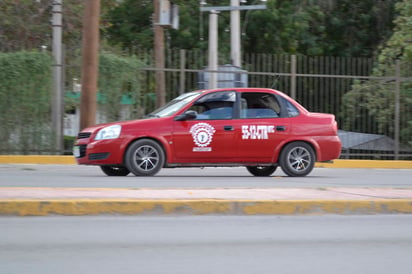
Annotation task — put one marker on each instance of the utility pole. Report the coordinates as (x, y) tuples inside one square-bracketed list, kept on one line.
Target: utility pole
[(159, 52), (57, 105), (90, 63), (234, 9)]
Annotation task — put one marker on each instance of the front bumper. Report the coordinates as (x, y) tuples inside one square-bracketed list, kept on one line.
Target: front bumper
[(102, 152)]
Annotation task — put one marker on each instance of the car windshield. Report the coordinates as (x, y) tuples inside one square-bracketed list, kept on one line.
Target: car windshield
[(175, 105)]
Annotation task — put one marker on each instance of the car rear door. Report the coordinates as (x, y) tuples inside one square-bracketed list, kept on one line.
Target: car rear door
[(261, 127)]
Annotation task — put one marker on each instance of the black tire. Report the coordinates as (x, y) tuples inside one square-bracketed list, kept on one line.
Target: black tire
[(115, 170), (144, 157), (297, 159), (261, 170)]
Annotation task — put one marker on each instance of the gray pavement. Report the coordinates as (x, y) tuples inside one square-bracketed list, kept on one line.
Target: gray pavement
[(328, 244), (30, 175)]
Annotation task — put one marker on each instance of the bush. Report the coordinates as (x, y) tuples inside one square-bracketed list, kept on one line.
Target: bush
[(25, 95)]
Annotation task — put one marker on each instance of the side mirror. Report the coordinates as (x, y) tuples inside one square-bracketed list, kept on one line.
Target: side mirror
[(188, 115)]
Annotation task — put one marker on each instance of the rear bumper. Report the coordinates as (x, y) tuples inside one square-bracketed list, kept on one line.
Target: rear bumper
[(329, 148)]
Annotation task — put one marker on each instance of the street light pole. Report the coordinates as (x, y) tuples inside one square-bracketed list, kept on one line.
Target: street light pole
[(57, 105), (235, 34), (213, 49)]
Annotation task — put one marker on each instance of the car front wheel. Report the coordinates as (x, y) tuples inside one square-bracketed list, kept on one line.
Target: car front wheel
[(261, 170), (297, 159), (115, 170), (144, 157)]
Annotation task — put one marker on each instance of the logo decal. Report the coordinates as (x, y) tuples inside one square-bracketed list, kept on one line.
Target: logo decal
[(257, 132), (202, 134)]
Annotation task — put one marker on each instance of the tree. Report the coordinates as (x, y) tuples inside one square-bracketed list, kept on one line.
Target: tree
[(310, 27), (25, 24)]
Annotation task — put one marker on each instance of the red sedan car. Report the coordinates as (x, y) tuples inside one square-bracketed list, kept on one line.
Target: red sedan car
[(258, 128)]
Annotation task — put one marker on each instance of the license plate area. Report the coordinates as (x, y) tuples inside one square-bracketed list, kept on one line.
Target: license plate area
[(76, 151)]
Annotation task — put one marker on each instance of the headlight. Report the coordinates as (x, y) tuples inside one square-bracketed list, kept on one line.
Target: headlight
[(111, 132)]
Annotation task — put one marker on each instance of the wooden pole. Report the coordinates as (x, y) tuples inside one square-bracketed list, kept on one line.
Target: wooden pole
[(90, 64), (159, 49)]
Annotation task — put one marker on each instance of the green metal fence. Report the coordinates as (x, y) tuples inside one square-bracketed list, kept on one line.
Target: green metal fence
[(374, 113)]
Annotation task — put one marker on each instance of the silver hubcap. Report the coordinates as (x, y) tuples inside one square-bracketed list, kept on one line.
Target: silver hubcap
[(299, 159), (146, 158)]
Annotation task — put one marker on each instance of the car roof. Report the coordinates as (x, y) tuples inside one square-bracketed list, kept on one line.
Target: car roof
[(255, 89)]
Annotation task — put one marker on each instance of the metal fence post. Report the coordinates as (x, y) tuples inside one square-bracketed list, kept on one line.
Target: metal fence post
[(397, 106), (182, 71), (293, 77)]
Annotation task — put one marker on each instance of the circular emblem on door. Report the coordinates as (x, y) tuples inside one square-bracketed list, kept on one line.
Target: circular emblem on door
[(202, 134)]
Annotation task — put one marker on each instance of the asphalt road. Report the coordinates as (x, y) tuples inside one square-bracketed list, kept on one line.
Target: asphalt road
[(206, 244), (30, 175)]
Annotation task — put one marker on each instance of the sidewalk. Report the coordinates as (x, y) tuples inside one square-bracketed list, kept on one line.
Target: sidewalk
[(235, 201)]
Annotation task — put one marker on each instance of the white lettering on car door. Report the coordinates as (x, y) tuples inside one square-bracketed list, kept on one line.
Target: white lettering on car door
[(256, 132)]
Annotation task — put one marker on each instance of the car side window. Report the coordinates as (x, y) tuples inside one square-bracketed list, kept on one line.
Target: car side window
[(259, 105), (292, 111), (215, 106)]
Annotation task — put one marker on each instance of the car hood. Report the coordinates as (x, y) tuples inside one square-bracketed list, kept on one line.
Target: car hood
[(124, 124)]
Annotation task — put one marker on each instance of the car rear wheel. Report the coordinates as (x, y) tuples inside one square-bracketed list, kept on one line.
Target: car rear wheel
[(261, 170), (297, 159), (144, 157), (115, 170)]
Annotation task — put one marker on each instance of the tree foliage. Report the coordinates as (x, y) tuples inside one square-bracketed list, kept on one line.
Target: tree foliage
[(356, 28), (129, 24), (376, 99)]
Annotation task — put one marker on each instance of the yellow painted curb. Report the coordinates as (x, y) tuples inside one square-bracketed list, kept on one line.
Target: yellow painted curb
[(37, 159), (340, 163), (392, 164), (201, 207)]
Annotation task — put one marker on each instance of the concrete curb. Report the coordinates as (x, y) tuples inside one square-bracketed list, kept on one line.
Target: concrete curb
[(340, 163), (77, 207)]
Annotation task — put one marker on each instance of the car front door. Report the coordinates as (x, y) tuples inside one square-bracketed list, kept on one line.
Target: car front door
[(210, 137)]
